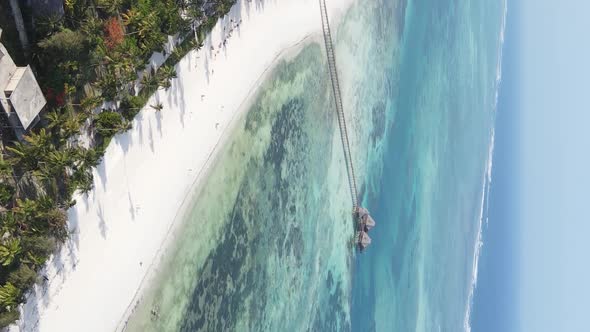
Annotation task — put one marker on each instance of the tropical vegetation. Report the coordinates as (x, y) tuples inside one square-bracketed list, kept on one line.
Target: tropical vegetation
[(89, 56)]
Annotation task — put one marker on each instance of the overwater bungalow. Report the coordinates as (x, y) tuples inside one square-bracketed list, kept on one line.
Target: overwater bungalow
[(363, 240), (365, 224)]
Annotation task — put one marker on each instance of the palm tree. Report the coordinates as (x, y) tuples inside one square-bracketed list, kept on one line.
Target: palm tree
[(71, 125), (10, 251), (157, 107), (53, 119), (40, 142), (166, 73), (33, 259), (109, 6), (56, 218), (58, 161), (144, 25), (149, 82), (82, 179), (177, 53), (49, 24), (89, 103), (23, 155), (108, 84), (25, 210), (92, 26), (88, 157), (131, 17), (29, 155), (9, 295), (8, 223), (5, 169)]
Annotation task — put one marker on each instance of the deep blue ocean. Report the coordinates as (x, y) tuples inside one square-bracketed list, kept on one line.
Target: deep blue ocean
[(265, 244)]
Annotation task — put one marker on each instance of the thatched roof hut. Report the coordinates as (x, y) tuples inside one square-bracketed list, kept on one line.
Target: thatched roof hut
[(364, 240), (368, 222)]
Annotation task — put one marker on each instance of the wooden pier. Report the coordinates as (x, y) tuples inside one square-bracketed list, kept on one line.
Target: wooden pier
[(363, 220)]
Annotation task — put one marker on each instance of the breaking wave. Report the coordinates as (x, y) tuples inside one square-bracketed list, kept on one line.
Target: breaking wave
[(487, 181)]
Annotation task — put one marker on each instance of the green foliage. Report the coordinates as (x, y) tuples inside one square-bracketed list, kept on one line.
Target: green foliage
[(81, 60), (109, 6), (146, 26), (5, 168), (130, 106), (56, 220), (27, 156), (89, 103), (23, 277), (91, 27), (62, 55), (7, 318), (6, 193), (108, 123), (9, 251), (9, 296), (38, 246), (81, 179), (48, 25), (88, 157), (109, 85), (8, 223), (149, 82), (165, 74)]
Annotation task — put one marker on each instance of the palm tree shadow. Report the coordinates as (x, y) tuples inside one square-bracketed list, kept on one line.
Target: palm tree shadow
[(151, 138), (124, 140), (102, 225), (102, 174), (139, 121), (131, 206), (158, 118), (73, 221), (206, 65)]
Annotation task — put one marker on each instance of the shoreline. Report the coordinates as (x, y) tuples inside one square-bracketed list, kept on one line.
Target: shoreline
[(196, 187), (118, 236)]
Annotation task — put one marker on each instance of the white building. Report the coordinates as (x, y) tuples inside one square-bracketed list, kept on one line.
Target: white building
[(20, 95)]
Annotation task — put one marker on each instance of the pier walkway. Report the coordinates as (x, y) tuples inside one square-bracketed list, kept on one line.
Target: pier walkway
[(338, 102)]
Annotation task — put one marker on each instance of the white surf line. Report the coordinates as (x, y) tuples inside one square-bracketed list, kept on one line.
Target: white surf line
[(487, 182)]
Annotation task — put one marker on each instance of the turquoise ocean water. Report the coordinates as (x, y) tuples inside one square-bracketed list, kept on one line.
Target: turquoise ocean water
[(265, 245)]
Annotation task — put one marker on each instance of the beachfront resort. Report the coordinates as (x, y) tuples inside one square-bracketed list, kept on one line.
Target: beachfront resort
[(210, 165), (61, 117)]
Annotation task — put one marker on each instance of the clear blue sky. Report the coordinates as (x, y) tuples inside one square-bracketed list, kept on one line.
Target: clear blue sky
[(545, 284), (554, 140)]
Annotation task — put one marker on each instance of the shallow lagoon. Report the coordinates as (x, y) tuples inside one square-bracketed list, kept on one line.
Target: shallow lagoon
[(265, 242)]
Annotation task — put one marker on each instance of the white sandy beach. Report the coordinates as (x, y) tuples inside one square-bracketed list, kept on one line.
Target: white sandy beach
[(119, 228)]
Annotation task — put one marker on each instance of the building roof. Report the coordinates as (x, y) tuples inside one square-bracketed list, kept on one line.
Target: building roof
[(369, 222), (7, 67), (14, 80), (364, 239), (25, 95)]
